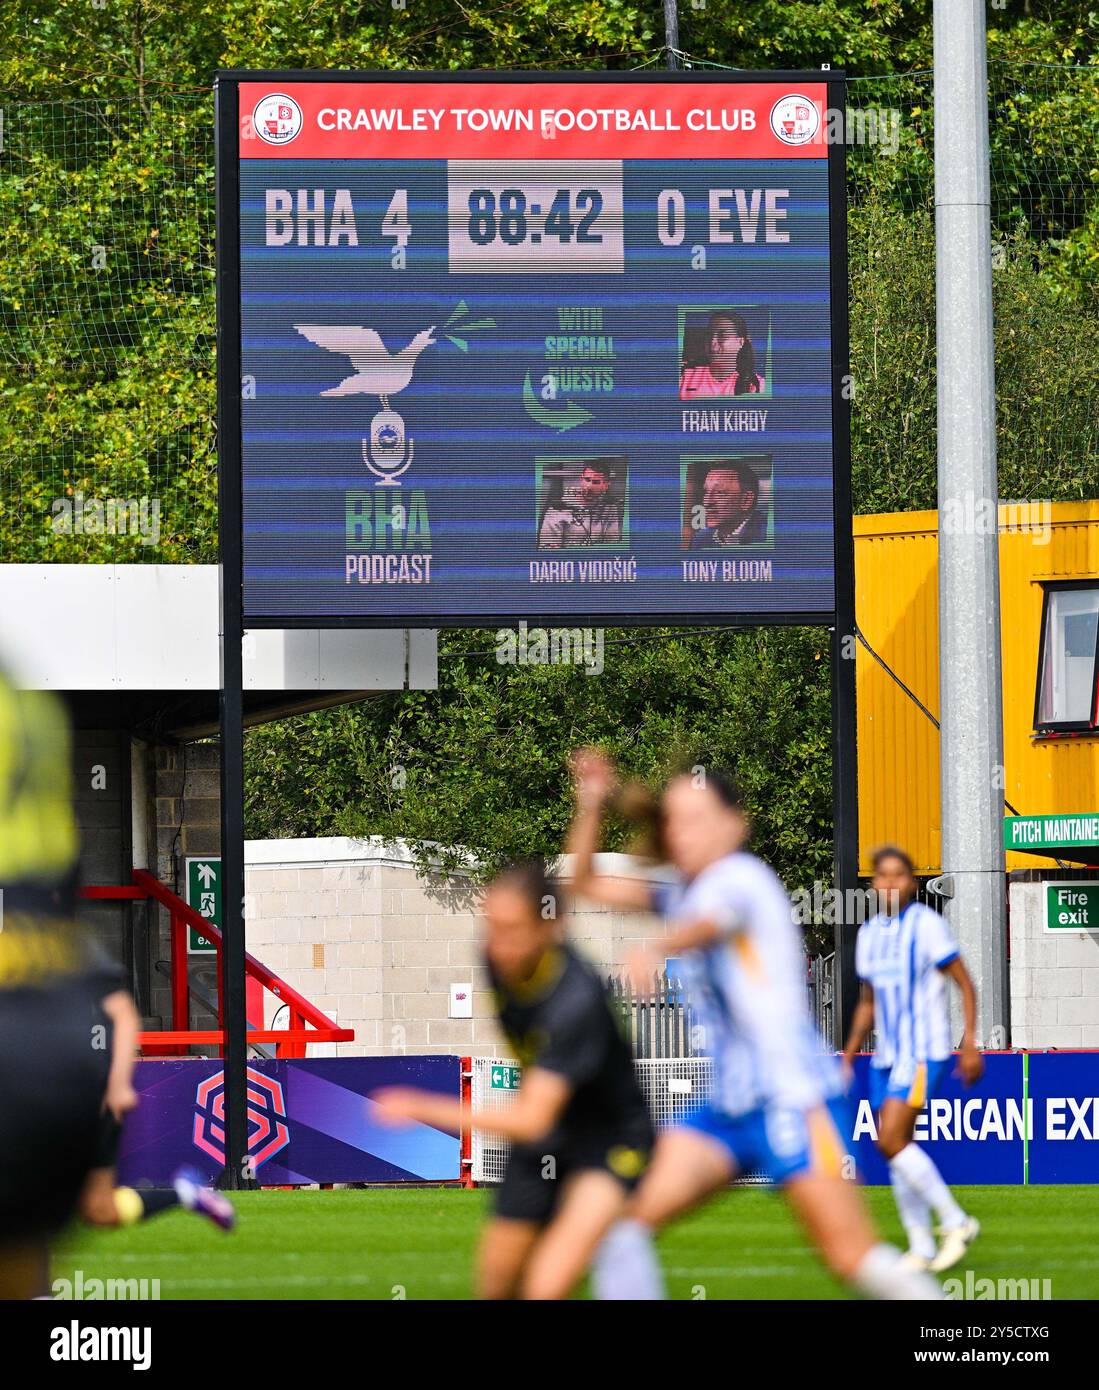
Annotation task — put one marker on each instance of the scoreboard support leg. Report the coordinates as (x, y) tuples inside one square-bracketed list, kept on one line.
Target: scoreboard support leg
[(232, 983), (233, 991)]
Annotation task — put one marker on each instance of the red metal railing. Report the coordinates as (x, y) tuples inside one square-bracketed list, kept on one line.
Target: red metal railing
[(466, 1093), (289, 1042)]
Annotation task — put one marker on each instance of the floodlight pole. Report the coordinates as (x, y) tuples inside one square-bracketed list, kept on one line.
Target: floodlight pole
[(972, 748), (231, 634), (671, 33)]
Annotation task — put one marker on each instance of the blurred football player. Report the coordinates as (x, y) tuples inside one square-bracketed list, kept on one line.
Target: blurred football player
[(102, 1201), (68, 1030), (580, 1130), (777, 1100), (55, 1056)]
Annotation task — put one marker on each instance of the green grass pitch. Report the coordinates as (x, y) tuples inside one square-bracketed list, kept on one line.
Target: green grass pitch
[(418, 1244)]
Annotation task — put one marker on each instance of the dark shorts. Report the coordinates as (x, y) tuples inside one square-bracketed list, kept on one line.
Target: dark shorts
[(536, 1173), (52, 1078)]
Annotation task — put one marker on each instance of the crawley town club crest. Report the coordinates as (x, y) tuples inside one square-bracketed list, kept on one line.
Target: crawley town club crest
[(795, 120), (277, 119)]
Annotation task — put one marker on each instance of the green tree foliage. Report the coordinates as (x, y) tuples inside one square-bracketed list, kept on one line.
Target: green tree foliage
[(1046, 407), (107, 382), (106, 220), (481, 762)]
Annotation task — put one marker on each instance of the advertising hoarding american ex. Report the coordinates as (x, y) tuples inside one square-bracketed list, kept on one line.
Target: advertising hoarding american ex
[(558, 347)]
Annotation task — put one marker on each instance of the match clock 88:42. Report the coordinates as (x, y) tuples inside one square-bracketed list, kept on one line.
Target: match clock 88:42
[(535, 216)]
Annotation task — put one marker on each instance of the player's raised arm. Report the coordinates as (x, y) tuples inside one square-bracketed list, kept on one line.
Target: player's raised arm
[(645, 961), (593, 780)]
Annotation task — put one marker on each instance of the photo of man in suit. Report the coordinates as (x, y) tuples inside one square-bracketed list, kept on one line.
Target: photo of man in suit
[(729, 506)]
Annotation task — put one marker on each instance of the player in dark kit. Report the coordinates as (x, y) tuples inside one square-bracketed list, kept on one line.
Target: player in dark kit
[(68, 1028), (580, 1129), (55, 1062)]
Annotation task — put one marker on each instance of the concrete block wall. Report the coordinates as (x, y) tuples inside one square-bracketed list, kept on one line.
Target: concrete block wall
[(188, 823), (102, 809), (1054, 977), (134, 802), (354, 927)]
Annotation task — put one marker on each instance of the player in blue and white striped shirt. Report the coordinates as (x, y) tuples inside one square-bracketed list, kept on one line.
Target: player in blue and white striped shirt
[(904, 956), (775, 1096)]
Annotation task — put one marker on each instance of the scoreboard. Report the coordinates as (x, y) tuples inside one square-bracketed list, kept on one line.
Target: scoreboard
[(515, 346)]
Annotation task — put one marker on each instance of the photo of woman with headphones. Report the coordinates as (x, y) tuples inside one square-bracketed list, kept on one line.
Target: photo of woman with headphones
[(719, 359)]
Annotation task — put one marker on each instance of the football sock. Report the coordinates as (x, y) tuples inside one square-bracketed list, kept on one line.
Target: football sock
[(625, 1265), (915, 1214), (919, 1171)]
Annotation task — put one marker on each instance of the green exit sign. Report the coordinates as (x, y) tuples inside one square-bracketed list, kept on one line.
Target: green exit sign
[(1072, 906), (204, 895), (505, 1078)]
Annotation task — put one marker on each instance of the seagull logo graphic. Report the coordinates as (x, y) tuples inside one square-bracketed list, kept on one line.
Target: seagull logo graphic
[(378, 372), (387, 450)]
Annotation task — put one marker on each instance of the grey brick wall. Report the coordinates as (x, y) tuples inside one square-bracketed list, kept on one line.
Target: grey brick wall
[(1054, 977), (177, 812), (100, 764), (378, 948)]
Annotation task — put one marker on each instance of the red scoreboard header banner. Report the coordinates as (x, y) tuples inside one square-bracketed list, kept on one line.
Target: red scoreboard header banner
[(494, 120)]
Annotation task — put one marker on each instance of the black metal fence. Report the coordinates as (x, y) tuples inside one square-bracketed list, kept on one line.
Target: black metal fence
[(820, 984), (660, 1021)]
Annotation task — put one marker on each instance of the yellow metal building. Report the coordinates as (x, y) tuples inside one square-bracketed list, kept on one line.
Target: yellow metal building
[(1052, 763)]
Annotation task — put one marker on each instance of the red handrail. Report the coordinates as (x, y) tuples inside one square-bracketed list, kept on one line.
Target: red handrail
[(256, 968), (290, 1042)]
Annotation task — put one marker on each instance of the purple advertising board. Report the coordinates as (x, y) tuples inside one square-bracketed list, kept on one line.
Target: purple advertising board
[(309, 1121)]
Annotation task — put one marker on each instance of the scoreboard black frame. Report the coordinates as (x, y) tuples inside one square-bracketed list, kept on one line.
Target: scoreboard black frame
[(229, 364)]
